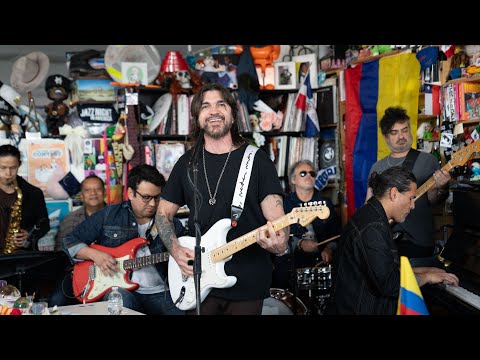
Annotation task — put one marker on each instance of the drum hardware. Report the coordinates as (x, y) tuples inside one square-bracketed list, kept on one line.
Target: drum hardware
[(283, 302)]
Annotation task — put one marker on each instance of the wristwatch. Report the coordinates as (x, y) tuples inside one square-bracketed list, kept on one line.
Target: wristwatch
[(287, 250)]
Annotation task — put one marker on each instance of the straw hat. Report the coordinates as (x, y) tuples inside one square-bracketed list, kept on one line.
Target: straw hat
[(29, 71)]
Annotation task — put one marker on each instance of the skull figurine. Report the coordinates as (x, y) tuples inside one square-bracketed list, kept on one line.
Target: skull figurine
[(183, 77)]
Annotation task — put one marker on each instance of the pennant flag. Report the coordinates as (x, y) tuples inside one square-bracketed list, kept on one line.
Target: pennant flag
[(306, 105), (410, 299), (370, 88)]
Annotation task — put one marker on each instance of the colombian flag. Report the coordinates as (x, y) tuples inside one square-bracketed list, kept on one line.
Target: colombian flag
[(410, 299), (370, 88)]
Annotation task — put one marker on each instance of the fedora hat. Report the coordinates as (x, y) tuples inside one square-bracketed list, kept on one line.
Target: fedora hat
[(9, 99), (116, 54), (29, 71)]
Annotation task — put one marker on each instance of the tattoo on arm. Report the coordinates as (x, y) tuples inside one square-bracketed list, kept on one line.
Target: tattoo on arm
[(165, 230), (278, 200)]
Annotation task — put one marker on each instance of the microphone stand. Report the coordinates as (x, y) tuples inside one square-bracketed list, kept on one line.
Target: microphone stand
[(197, 261)]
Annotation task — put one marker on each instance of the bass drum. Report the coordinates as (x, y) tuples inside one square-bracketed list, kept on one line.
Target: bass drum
[(282, 302)]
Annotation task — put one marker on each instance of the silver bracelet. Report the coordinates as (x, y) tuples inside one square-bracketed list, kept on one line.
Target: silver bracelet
[(287, 250)]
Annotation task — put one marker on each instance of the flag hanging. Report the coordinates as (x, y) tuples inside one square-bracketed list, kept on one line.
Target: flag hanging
[(370, 88), (306, 104), (410, 299)]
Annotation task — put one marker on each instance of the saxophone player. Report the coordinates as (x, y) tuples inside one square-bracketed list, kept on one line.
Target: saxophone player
[(22, 205)]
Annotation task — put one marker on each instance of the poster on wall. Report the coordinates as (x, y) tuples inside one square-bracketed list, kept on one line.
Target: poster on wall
[(47, 163)]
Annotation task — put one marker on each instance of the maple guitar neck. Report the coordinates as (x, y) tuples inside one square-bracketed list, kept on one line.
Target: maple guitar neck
[(430, 182), (248, 239)]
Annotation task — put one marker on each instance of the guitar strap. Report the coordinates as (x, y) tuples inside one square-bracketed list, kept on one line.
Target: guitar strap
[(408, 163), (410, 159), (243, 180)]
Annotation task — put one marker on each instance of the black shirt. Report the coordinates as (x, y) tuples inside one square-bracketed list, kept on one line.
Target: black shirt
[(252, 265)]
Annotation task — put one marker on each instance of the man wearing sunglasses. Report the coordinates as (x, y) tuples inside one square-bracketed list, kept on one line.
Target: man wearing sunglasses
[(305, 239), (116, 224)]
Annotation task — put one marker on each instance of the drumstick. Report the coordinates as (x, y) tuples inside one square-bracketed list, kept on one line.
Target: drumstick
[(325, 241)]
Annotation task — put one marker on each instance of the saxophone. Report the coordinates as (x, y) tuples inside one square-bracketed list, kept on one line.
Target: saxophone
[(15, 222)]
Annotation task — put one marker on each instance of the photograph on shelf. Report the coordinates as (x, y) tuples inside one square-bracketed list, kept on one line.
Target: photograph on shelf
[(302, 64), (134, 73), (285, 75)]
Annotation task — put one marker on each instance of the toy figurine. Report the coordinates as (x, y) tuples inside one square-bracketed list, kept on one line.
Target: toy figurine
[(263, 58), (58, 89)]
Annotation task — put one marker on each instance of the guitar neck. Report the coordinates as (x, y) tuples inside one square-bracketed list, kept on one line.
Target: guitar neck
[(430, 182), (145, 261), (243, 241)]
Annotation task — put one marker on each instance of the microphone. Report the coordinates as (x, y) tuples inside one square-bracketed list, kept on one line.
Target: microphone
[(32, 233), (197, 148)]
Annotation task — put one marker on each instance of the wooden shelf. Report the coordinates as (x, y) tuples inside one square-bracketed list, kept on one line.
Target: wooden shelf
[(332, 71), (464, 79), (431, 139), (370, 58), (328, 125), (472, 121), (422, 117)]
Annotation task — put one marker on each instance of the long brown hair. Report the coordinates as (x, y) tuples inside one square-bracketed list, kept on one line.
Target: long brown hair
[(228, 98)]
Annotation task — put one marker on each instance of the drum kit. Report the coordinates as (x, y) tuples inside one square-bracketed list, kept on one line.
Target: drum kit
[(313, 285)]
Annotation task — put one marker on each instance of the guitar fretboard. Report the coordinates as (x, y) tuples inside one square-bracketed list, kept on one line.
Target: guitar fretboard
[(306, 214), (243, 241), (145, 261)]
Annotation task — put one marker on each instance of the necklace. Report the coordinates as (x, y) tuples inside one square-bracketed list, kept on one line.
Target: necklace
[(212, 200), (394, 164)]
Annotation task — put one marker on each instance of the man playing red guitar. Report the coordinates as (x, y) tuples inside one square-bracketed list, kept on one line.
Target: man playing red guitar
[(110, 260)]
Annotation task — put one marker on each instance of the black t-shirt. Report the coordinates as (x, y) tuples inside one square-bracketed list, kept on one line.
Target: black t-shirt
[(252, 266)]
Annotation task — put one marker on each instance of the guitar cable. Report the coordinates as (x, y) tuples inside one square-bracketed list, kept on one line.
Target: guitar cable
[(180, 297)]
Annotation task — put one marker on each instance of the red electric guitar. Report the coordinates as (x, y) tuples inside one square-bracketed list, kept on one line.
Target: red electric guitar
[(89, 283)]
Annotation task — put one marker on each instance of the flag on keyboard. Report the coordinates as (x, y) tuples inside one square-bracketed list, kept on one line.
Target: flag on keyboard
[(410, 299)]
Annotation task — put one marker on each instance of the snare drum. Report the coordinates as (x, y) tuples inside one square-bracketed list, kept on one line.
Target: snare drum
[(282, 302), (316, 278)]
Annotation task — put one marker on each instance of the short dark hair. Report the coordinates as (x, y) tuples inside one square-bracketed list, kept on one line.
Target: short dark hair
[(92, 176), (392, 115), (146, 173), (228, 98), (10, 150), (396, 176)]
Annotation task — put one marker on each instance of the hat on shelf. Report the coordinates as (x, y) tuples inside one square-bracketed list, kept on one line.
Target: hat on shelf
[(58, 81), (116, 54), (29, 71), (173, 62), (9, 99)]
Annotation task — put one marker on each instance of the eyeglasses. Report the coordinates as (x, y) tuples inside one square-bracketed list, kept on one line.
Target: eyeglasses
[(147, 198), (304, 173)]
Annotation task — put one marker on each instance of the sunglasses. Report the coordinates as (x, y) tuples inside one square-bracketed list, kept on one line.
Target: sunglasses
[(147, 198), (304, 173)]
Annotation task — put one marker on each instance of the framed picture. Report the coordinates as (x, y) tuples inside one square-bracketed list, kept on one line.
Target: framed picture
[(285, 75), (302, 63)]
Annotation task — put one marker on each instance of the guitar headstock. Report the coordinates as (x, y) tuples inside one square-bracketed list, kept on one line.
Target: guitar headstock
[(304, 215), (461, 156)]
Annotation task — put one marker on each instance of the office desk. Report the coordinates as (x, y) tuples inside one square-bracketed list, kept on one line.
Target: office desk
[(96, 308)]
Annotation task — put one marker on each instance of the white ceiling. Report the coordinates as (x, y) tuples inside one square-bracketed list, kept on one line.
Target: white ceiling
[(56, 53)]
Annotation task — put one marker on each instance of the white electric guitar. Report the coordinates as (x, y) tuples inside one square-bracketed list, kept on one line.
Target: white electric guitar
[(216, 251)]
